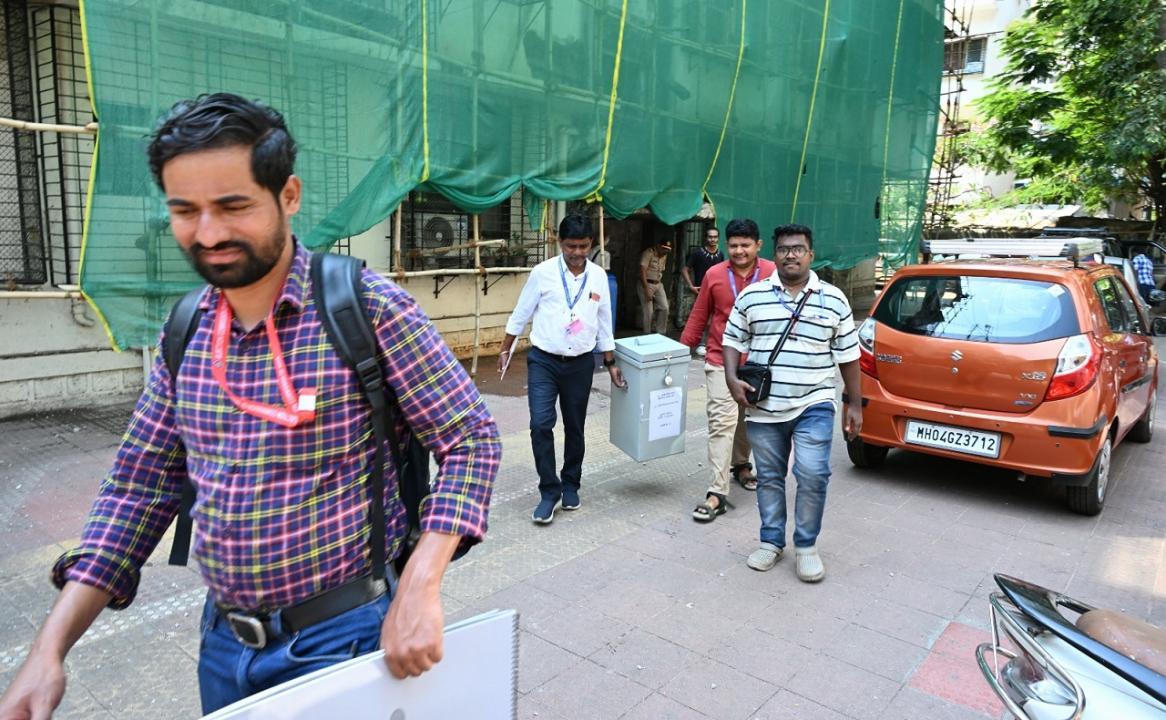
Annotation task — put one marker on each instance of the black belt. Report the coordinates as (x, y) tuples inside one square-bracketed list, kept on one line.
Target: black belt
[(562, 358), (253, 629), (653, 282)]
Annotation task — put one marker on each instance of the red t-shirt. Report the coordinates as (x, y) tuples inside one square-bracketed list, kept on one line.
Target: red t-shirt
[(713, 304)]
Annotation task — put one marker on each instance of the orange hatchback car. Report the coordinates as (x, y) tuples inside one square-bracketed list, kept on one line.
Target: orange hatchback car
[(1037, 366)]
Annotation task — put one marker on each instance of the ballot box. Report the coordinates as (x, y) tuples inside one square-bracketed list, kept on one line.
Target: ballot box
[(647, 419), (477, 678)]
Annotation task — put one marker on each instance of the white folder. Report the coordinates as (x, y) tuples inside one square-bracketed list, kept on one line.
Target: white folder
[(477, 677)]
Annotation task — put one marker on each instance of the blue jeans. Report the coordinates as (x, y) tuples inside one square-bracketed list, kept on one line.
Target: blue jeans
[(810, 435), (229, 671), (569, 381)]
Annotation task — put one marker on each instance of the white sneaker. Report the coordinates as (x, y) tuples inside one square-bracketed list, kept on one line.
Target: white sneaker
[(700, 351), (809, 565), (764, 557)]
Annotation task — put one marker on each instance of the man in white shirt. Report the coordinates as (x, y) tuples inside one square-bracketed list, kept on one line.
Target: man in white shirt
[(566, 302)]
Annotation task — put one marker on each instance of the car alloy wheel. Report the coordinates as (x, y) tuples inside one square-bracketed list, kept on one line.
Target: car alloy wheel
[(1103, 470)]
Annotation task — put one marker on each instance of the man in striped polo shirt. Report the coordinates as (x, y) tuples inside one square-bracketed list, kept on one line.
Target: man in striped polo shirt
[(799, 411)]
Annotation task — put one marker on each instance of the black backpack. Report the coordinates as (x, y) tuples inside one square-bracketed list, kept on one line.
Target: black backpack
[(336, 286)]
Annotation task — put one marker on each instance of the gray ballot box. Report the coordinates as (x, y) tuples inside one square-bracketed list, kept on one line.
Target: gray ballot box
[(647, 419)]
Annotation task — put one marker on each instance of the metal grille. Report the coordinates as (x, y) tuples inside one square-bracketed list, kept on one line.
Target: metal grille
[(430, 222), (22, 259), (62, 98)]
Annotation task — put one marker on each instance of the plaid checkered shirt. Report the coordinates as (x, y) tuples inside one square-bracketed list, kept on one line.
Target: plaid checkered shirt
[(1144, 269), (282, 514)]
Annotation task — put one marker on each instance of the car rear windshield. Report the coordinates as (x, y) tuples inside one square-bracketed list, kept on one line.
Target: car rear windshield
[(985, 309)]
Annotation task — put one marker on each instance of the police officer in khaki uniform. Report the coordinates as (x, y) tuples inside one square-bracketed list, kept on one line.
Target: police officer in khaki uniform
[(653, 299)]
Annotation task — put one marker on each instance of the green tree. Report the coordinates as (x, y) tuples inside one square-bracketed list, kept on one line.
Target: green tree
[(1081, 106)]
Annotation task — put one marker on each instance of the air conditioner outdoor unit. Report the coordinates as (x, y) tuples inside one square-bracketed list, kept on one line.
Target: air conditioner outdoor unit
[(436, 232)]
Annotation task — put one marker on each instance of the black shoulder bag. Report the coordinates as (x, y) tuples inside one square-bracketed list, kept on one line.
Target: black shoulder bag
[(759, 376)]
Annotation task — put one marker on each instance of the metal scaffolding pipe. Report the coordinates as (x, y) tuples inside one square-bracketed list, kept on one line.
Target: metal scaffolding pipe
[(398, 266)]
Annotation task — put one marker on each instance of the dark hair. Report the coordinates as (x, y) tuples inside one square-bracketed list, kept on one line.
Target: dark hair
[(576, 227), (226, 120), (742, 227), (787, 230)]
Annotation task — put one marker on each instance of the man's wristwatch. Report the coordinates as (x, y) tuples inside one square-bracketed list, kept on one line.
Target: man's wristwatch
[(608, 363)]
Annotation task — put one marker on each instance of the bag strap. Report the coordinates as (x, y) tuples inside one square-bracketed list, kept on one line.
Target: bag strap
[(789, 327), (336, 287), (180, 328)]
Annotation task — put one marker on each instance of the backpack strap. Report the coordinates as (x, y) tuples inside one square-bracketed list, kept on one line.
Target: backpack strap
[(336, 288), (180, 328)]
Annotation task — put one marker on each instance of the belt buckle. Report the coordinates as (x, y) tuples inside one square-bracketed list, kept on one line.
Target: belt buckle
[(247, 630)]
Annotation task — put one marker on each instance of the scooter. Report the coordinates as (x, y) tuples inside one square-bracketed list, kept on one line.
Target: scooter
[(1056, 658)]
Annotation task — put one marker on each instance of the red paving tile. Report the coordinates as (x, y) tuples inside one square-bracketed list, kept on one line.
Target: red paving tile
[(950, 671)]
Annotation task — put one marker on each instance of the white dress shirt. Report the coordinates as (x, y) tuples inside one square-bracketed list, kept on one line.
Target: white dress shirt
[(555, 327)]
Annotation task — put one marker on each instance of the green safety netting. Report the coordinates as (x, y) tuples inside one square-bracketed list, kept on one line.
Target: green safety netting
[(821, 112)]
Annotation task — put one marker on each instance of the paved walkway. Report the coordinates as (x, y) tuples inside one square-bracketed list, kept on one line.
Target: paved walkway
[(629, 609)]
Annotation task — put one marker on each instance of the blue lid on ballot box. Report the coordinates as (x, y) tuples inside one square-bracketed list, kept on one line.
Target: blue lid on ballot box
[(647, 349)]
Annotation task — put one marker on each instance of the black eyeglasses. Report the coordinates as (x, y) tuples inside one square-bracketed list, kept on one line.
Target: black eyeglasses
[(795, 251)]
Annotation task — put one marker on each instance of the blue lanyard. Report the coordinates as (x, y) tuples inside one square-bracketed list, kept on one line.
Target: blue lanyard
[(733, 279), (567, 293), (793, 309)]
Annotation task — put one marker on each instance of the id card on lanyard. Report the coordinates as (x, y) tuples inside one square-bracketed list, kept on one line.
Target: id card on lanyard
[(574, 323), (298, 408)]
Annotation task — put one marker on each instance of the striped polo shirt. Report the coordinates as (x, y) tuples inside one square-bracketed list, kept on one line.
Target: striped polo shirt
[(803, 372)]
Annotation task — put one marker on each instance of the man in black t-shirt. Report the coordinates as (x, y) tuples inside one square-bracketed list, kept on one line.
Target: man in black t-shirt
[(699, 261)]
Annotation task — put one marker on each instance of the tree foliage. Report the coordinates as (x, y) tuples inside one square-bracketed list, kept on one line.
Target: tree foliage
[(1080, 108)]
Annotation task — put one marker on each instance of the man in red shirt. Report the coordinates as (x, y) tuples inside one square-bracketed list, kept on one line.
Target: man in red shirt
[(728, 442)]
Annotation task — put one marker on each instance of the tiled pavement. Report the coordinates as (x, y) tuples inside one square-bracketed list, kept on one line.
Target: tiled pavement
[(629, 609)]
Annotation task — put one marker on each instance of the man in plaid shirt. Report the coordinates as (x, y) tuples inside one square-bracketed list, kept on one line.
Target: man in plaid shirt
[(271, 429), (1144, 270)]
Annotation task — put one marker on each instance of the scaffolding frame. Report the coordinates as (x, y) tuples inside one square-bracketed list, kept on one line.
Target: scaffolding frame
[(946, 165)]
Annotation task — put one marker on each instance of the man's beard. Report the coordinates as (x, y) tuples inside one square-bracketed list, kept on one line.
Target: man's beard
[(253, 267), (792, 274)]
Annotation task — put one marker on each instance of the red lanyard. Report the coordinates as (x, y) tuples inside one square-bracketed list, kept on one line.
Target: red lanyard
[(297, 410)]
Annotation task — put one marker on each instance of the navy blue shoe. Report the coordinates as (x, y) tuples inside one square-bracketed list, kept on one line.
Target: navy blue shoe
[(545, 512), (570, 498)]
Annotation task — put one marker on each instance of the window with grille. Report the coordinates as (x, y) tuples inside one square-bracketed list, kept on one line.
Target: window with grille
[(22, 246), (65, 158), (965, 56), (436, 234)]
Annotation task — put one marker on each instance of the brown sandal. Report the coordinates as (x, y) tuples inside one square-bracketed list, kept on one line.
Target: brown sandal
[(749, 482)]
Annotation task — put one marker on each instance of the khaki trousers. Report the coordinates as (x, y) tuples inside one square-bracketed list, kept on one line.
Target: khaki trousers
[(728, 439), (654, 308)]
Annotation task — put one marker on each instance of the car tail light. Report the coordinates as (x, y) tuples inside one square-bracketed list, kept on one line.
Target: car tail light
[(866, 358), (1077, 367)]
